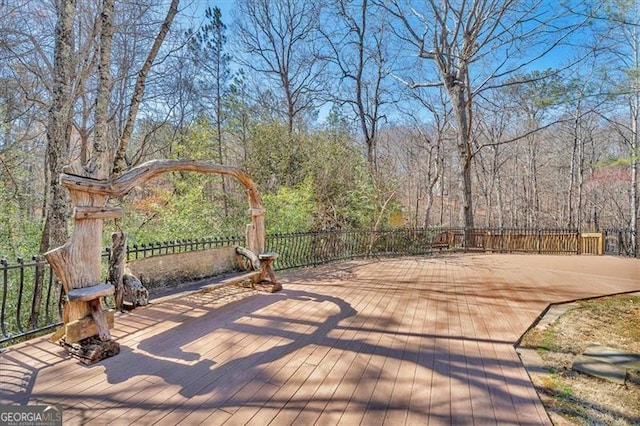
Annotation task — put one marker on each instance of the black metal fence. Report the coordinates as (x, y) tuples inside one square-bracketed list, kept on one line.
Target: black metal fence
[(315, 248), (32, 300), (141, 251)]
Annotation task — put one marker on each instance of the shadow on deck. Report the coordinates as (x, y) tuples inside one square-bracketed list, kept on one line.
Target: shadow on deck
[(412, 340)]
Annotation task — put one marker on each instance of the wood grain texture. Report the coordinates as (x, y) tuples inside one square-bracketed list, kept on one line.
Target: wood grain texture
[(414, 341)]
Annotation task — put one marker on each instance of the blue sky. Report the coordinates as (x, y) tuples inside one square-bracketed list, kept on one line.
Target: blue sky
[(225, 6), (556, 59)]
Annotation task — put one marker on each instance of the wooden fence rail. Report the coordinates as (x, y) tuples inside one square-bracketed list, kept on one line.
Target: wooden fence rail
[(524, 241)]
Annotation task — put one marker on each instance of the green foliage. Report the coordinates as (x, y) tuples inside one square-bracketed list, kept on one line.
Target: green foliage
[(19, 233), (538, 90), (239, 113), (617, 11), (212, 63), (336, 123), (276, 157), (290, 209), (343, 187), (324, 163), (616, 162), (186, 204), (19, 230), (197, 142), (310, 181)]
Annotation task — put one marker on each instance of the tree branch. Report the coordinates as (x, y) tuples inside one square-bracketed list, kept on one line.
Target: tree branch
[(119, 163)]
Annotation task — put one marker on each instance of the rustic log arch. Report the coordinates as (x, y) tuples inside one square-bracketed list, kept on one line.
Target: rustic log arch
[(77, 264)]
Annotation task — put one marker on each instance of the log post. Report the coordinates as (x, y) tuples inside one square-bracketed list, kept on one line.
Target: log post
[(266, 263), (116, 265), (100, 319), (77, 264), (256, 231)]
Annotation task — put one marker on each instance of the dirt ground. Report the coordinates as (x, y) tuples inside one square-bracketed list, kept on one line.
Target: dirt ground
[(571, 397)]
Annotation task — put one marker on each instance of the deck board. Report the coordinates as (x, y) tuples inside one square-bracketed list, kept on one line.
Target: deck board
[(394, 341)]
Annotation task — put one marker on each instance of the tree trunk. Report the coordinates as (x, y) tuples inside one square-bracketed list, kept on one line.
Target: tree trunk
[(534, 200), (635, 153), (497, 175), (58, 129), (432, 181), (219, 137), (99, 163), (456, 92), (442, 183), (119, 163), (37, 294), (572, 177), (77, 264), (580, 195), (635, 139)]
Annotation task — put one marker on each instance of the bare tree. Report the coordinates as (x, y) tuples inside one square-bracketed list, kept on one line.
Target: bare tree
[(490, 168), (357, 49), (418, 150), (616, 26), (99, 161), (531, 102), (471, 46), (428, 145), (623, 34), (279, 39), (119, 163), (26, 70)]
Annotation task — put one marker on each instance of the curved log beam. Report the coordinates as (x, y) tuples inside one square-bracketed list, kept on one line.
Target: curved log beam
[(121, 185), (251, 256)]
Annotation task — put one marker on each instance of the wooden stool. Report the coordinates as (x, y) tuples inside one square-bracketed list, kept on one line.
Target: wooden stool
[(266, 268)]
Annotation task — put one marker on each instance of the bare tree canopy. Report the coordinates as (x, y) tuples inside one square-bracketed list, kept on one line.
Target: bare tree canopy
[(471, 46), (280, 40), (347, 113)]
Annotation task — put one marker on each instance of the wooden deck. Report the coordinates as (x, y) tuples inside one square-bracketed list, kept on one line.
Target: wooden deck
[(397, 341)]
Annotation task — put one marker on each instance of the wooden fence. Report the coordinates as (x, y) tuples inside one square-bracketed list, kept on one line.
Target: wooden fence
[(592, 243), (523, 241)]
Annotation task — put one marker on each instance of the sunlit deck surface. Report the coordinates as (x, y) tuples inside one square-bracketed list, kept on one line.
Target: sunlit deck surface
[(425, 340)]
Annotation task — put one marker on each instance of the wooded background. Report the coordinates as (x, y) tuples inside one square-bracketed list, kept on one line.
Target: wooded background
[(347, 114)]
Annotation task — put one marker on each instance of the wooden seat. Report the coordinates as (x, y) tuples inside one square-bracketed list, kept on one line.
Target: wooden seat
[(266, 268), (268, 256), (250, 256), (89, 293), (98, 322)]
